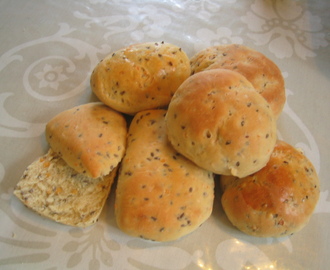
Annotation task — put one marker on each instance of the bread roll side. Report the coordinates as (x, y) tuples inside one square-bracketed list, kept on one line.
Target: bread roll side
[(91, 138), (160, 195), (276, 201)]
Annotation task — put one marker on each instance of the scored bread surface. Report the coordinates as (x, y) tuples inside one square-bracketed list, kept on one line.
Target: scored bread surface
[(140, 77), (276, 201), (54, 190), (91, 138), (160, 194), (217, 120), (262, 72)]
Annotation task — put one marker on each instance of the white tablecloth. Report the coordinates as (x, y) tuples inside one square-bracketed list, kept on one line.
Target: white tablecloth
[(47, 52)]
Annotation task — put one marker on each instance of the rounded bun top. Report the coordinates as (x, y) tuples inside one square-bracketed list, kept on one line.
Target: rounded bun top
[(263, 73), (278, 200), (218, 120), (140, 77)]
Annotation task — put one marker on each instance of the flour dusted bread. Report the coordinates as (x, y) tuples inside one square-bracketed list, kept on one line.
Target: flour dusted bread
[(56, 191), (160, 195), (218, 120), (263, 73), (140, 77), (278, 200), (91, 138)]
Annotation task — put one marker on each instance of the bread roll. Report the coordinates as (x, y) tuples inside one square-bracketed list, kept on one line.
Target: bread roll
[(54, 190), (276, 201), (217, 120), (91, 138), (263, 73), (140, 77), (160, 195)]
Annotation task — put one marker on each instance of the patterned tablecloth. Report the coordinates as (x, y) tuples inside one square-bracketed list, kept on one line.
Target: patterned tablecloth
[(47, 52)]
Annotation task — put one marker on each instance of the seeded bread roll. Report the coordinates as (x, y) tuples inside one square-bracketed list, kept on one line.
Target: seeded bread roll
[(276, 201), (217, 120), (160, 195), (263, 73), (140, 77), (91, 138), (54, 190)]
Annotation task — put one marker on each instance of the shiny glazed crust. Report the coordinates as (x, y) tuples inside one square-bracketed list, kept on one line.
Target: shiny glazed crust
[(160, 195), (140, 76), (217, 120), (91, 138), (263, 73), (276, 201)]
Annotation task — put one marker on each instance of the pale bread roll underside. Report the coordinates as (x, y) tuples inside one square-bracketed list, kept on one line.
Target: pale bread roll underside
[(160, 195), (217, 120), (276, 201), (140, 76), (262, 72), (91, 138), (54, 190)]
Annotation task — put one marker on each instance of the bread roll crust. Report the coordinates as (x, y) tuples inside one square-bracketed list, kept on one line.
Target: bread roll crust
[(160, 195), (262, 72), (276, 201), (217, 120), (140, 76), (91, 138), (56, 191)]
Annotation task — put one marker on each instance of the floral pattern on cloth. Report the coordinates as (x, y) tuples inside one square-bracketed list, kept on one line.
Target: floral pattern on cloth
[(286, 28)]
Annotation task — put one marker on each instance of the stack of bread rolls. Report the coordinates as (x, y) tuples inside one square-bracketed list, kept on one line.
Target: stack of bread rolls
[(166, 124)]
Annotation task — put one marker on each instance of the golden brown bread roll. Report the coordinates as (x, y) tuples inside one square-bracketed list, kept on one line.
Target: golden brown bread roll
[(56, 191), (140, 77), (160, 195), (218, 120), (91, 138), (276, 201), (263, 73)]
